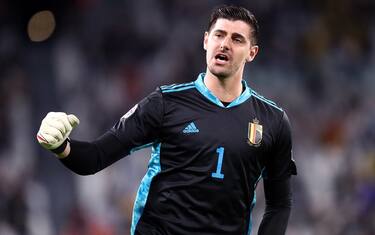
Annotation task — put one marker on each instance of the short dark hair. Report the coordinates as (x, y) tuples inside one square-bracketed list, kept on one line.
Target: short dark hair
[(232, 12)]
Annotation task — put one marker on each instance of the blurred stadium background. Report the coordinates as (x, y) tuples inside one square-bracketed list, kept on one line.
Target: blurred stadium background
[(97, 58)]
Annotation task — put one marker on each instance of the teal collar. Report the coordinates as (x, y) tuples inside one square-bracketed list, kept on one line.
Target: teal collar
[(201, 87)]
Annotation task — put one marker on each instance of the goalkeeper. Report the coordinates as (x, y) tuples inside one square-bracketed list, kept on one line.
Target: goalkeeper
[(212, 140)]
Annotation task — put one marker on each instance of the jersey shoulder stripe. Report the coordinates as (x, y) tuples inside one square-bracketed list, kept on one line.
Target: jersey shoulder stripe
[(177, 87), (268, 101)]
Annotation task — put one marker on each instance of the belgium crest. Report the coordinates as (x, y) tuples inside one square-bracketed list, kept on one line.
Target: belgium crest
[(254, 133)]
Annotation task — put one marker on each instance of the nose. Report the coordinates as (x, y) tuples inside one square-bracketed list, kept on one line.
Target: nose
[(224, 45)]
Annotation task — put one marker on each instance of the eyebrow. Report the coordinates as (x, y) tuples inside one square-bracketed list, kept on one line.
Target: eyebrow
[(237, 35), (234, 34)]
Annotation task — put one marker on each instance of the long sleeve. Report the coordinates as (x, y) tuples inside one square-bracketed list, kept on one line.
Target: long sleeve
[(277, 179), (138, 127), (278, 196), (87, 158)]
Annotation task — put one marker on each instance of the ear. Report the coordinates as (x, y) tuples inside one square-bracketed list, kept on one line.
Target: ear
[(253, 52), (205, 41)]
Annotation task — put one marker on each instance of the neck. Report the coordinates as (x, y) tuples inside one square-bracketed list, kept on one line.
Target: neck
[(225, 89)]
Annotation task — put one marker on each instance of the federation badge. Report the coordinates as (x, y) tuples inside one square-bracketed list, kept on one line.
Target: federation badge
[(254, 133)]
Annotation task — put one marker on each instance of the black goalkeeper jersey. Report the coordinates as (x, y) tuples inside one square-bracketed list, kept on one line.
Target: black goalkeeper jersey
[(206, 158)]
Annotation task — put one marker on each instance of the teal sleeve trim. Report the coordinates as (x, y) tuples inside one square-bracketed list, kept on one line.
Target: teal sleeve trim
[(254, 202), (176, 87), (140, 147), (144, 188), (251, 212), (270, 102)]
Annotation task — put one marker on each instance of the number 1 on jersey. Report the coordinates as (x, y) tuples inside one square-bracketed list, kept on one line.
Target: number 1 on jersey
[(218, 173)]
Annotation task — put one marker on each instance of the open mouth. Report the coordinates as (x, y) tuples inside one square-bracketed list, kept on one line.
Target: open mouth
[(222, 57)]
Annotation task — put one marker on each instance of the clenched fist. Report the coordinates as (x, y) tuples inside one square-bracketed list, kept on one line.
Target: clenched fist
[(55, 129)]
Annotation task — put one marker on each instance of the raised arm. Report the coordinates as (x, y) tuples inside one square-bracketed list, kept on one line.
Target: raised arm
[(139, 126)]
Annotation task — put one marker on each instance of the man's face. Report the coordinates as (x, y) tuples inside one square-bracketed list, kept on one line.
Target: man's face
[(229, 47)]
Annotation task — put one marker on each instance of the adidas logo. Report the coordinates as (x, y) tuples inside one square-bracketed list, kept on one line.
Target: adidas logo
[(191, 128)]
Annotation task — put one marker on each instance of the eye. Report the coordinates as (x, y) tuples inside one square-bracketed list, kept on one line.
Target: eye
[(218, 35), (239, 40)]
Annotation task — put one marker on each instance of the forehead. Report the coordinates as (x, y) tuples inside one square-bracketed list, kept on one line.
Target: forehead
[(232, 26)]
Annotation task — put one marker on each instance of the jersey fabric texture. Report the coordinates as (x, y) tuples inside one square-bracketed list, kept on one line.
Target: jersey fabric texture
[(206, 158)]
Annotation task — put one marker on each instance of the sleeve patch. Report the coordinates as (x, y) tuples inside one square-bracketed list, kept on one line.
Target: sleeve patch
[(130, 112)]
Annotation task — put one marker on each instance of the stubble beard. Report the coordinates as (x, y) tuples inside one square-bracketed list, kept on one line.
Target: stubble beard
[(220, 73)]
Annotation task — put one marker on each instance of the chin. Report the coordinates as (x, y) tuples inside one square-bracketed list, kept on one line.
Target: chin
[(221, 76), (220, 73)]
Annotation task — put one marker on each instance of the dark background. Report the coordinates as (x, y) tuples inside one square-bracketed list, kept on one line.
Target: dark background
[(316, 60)]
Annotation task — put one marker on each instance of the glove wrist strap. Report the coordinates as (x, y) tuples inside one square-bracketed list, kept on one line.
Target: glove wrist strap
[(61, 148)]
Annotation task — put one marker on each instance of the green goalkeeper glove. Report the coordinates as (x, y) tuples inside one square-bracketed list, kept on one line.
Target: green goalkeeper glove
[(55, 129)]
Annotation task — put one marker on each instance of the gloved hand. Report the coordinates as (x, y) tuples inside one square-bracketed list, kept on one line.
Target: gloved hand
[(55, 129)]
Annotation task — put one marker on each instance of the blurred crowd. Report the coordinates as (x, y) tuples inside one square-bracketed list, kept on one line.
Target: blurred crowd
[(316, 60)]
